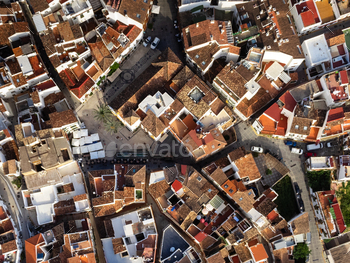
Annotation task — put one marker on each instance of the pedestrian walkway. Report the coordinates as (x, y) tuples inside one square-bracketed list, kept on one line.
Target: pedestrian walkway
[(131, 69)]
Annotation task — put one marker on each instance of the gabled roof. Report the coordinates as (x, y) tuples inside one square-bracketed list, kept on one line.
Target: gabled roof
[(30, 245), (288, 100), (153, 124), (259, 252)]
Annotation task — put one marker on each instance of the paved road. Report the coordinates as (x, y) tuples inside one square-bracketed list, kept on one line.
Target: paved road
[(247, 138), (340, 25), (15, 206), (163, 28)]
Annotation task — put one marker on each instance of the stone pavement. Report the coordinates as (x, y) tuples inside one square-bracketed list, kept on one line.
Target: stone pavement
[(263, 163), (138, 61)]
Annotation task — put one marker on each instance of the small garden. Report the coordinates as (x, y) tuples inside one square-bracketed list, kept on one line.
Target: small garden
[(301, 252), (319, 180), (286, 203), (113, 68), (103, 114), (138, 194), (17, 182), (343, 195)]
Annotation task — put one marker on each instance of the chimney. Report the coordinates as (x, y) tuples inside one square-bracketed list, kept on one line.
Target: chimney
[(197, 25)]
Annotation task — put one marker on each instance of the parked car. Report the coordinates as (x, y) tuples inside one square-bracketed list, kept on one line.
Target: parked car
[(331, 144), (297, 151), (155, 43), (314, 146), (301, 205), (257, 149), (310, 154), (147, 41), (290, 143), (297, 189)]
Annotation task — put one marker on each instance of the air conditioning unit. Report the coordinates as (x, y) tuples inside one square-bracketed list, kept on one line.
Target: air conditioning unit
[(257, 17), (268, 47)]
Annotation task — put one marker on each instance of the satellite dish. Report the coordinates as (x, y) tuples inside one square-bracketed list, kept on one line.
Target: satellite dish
[(172, 249)]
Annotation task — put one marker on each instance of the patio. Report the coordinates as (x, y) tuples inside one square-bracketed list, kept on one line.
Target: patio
[(278, 170)]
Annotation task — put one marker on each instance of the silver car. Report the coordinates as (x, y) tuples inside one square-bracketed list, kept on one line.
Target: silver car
[(257, 149)]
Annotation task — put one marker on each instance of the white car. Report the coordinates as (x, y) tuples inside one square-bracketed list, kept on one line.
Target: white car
[(297, 151), (147, 41), (155, 42), (256, 149)]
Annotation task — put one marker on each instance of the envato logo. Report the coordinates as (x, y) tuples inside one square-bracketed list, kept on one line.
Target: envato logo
[(174, 150)]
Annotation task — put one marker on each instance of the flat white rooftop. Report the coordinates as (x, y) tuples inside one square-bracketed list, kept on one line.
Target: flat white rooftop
[(113, 258), (44, 214), (157, 103), (316, 50), (46, 196)]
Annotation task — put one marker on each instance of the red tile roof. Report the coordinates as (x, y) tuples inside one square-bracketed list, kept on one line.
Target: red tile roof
[(30, 245), (308, 18), (183, 169), (288, 100), (335, 114), (339, 217), (200, 236), (177, 185), (344, 77), (259, 252), (274, 112)]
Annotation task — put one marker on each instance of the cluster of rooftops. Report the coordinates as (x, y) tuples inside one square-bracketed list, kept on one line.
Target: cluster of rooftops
[(239, 60)]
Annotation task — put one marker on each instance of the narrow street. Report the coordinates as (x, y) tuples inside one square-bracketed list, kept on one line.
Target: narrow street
[(73, 102)]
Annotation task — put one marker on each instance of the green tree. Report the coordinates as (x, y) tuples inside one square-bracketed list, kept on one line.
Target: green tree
[(268, 172), (17, 182), (301, 251), (102, 113), (343, 194), (113, 125), (319, 180)]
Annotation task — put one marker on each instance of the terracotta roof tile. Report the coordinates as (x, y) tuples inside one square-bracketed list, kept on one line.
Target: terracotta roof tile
[(66, 31), (158, 189), (60, 119), (39, 5)]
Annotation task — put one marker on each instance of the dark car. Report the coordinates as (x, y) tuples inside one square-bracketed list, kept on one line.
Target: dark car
[(297, 189), (301, 205), (290, 143)]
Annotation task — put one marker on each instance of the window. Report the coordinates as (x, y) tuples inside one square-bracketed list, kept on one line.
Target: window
[(199, 178), (196, 56), (231, 191), (241, 198), (305, 128), (296, 127), (203, 63), (225, 185), (138, 16), (145, 1)]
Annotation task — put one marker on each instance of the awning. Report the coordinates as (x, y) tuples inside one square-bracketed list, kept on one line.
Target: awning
[(93, 155), (95, 147), (75, 142), (76, 134), (88, 139), (155, 9), (76, 150), (84, 132), (101, 154), (95, 137), (84, 149)]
